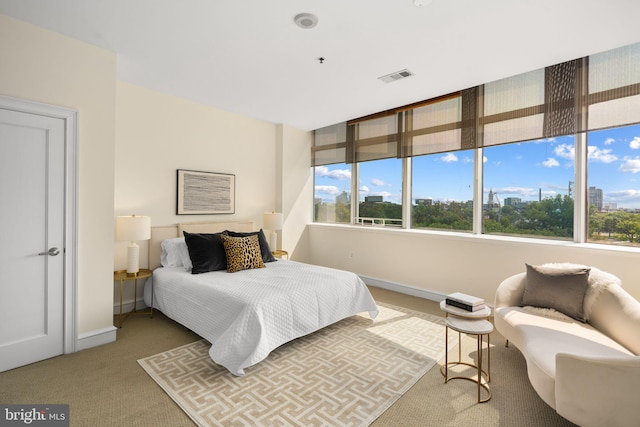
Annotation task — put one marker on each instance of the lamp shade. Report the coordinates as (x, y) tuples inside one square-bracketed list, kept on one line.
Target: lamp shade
[(272, 221), (133, 228)]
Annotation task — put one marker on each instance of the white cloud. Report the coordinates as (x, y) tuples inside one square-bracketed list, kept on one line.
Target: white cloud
[(329, 190), (524, 192), (379, 183), (609, 141), (334, 174), (550, 163), (624, 197), (484, 159), (600, 155), (635, 143), (449, 157), (545, 140), (630, 165), (566, 151), (364, 189)]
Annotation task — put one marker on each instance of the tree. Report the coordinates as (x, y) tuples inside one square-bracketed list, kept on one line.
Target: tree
[(596, 222)]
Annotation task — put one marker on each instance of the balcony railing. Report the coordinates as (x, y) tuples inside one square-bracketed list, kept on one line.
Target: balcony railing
[(379, 222)]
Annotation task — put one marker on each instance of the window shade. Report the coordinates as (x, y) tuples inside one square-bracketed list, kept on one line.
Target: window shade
[(614, 88), (596, 92), (513, 109), (329, 145), (374, 139), (432, 128), (564, 97)]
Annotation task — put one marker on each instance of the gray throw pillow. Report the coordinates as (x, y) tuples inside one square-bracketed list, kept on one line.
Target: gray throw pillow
[(562, 289)]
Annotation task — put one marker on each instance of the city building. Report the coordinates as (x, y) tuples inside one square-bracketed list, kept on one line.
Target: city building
[(373, 199), (595, 197)]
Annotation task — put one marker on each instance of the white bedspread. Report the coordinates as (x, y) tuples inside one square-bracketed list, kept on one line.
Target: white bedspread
[(245, 315)]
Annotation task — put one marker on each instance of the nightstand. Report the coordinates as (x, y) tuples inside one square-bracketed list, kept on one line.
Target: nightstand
[(122, 276), (279, 253)]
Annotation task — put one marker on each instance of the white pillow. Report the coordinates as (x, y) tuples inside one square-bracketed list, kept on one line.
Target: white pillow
[(175, 253)]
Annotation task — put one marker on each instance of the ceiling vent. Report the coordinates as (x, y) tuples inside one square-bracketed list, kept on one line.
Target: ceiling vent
[(398, 75)]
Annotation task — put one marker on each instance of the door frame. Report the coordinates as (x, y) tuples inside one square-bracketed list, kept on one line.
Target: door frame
[(70, 288)]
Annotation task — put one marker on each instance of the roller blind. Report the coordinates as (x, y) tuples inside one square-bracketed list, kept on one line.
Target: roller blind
[(513, 109), (446, 123), (374, 138), (433, 128), (329, 145), (614, 88), (564, 98)]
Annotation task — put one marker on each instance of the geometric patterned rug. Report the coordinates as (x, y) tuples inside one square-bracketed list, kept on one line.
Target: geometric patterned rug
[(346, 374)]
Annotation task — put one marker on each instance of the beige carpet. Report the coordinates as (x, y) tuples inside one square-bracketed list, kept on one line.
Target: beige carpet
[(346, 374)]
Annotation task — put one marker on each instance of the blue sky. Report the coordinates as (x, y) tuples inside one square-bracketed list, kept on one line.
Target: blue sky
[(512, 170)]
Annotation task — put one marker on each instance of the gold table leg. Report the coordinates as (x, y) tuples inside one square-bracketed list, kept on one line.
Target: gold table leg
[(479, 341)]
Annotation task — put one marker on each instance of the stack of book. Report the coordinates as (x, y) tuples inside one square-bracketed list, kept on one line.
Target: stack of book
[(465, 302)]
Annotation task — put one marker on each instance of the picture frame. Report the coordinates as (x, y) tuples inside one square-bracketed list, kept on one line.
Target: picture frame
[(205, 193)]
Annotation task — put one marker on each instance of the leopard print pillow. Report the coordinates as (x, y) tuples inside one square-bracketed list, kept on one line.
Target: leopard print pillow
[(243, 253)]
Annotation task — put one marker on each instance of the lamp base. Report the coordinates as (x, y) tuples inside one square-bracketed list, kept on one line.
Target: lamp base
[(273, 240), (133, 255)]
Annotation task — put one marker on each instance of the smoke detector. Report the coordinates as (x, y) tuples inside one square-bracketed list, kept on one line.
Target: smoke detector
[(306, 21), (398, 75)]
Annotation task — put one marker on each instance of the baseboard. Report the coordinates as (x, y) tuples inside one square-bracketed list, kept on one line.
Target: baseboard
[(96, 338), (127, 306), (404, 289)]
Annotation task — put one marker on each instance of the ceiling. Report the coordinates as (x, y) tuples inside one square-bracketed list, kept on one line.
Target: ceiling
[(249, 57)]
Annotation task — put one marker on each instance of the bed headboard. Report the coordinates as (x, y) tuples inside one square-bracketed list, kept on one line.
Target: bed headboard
[(160, 233)]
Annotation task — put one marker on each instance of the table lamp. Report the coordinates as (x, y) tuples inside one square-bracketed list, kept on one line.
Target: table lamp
[(133, 228), (272, 221)]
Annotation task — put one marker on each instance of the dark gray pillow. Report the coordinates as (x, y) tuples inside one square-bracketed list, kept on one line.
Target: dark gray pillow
[(562, 289), (206, 252)]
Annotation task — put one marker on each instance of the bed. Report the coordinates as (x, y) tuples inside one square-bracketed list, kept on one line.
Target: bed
[(247, 314)]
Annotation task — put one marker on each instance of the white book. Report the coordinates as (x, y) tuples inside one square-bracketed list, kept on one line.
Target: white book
[(466, 299)]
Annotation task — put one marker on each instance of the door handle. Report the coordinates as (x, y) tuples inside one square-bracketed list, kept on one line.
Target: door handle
[(51, 252)]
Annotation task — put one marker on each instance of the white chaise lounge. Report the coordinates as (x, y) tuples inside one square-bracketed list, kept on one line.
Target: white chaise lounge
[(586, 367)]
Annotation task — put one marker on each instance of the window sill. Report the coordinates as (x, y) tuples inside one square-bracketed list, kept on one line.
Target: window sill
[(462, 236)]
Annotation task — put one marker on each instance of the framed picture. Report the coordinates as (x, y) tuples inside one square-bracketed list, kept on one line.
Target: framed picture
[(204, 193)]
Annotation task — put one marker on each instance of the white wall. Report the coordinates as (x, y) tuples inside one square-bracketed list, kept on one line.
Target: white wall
[(448, 262), (156, 134), (295, 182), (38, 65)]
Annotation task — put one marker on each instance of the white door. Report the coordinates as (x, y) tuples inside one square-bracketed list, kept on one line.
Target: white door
[(32, 185)]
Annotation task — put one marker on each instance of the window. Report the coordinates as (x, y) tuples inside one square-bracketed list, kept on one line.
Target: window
[(332, 175), (380, 193), (550, 153), (528, 188), (442, 191), (332, 194), (613, 189)]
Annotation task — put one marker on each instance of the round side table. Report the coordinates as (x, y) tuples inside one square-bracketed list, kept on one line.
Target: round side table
[(122, 276), (470, 323)]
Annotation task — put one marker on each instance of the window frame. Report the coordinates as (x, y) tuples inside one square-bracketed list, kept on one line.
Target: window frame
[(580, 219)]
